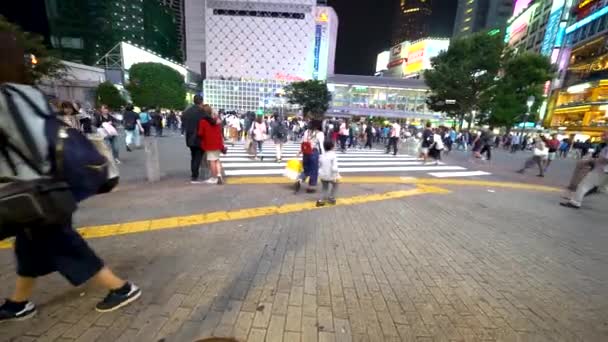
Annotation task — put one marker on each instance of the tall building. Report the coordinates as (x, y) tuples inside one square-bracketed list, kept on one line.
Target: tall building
[(479, 15), (412, 20), (177, 8), (248, 50), (83, 31)]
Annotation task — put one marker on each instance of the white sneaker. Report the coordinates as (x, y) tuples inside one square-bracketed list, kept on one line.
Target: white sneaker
[(211, 180), (117, 161)]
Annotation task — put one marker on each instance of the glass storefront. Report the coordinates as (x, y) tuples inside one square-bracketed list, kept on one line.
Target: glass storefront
[(582, 107), (374, 97), (244, 96)]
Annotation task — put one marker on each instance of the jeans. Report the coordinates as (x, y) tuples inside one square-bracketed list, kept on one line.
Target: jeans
[(260, 143), (370, 139), (311, 167), (112, 143), (196, 158), (343, 139), (392, 141), (328, 194), (132, 137)]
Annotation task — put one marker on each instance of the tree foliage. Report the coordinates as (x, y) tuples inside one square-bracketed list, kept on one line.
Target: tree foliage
[(106, 93), (312, 95), (46, 64), (463, 73), (483, 75), (156, 85), (523, 75)]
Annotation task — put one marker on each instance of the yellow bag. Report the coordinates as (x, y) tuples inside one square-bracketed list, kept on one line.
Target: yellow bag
[(293, 169)]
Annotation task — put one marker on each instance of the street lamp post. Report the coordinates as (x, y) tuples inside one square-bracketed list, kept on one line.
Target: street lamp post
[(529, 104)]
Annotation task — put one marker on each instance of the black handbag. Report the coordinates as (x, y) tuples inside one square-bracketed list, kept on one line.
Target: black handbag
[(38, 202), (44, 201)]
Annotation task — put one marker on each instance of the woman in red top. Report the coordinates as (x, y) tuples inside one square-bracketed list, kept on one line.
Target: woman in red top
[(212, 142)]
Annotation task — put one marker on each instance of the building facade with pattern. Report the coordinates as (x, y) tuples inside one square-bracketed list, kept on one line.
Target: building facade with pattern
[(244, 46)]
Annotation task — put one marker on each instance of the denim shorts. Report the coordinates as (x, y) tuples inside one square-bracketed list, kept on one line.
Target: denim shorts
[(60, 249)]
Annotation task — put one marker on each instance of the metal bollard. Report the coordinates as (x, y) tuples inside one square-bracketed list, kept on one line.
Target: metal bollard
[(152, 159)]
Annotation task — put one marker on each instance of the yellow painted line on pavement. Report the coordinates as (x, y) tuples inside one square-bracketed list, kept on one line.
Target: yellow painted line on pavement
[(402, 180), (233, 215)]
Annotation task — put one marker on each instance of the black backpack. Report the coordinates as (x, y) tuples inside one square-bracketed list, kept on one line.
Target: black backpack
[(45, 166)]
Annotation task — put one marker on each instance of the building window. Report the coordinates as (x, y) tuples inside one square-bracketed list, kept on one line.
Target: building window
[(470, 2), (467, 20), (466, 28), (469, 10)]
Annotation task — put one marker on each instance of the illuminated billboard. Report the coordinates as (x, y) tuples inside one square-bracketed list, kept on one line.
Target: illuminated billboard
[(551, 32), (519, 26), (420, 53), (382, 60), (520, 6), (132, 54)]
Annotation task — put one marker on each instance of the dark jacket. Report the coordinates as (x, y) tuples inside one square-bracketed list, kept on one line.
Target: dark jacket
[(190, 120)]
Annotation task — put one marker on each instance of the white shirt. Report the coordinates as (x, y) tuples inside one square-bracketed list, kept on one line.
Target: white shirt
[(328, 166), (396, 130)]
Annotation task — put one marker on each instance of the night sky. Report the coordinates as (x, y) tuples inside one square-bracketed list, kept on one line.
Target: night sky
[(364, 31)]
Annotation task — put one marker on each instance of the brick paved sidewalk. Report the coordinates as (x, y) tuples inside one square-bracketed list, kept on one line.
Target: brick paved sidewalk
[(472, 265)]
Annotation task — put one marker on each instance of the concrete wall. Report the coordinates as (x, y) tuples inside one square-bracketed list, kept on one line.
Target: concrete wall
[(78, 85)]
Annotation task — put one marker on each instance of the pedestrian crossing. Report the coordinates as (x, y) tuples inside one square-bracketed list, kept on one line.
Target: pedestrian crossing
[(238, 163)]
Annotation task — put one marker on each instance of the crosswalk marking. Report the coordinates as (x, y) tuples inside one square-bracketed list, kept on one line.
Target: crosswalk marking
[(459, 174), (239, 163)]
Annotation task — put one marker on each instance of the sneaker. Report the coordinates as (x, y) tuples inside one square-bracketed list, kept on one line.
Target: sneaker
[(220, 180), (128, 148), (11, 311), (116, 299), (117, 161), (320, 204), (195, 181), (569, 205), (332, 201), (211, 180), (311, 191)]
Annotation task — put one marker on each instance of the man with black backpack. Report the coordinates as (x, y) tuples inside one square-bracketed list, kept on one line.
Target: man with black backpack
[(39, 192), (279, 132)]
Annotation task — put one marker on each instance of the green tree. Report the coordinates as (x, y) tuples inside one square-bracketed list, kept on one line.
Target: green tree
[(43, 63), (106, 93), (156, 85), (312, 95), (464, 73), (522, 75)]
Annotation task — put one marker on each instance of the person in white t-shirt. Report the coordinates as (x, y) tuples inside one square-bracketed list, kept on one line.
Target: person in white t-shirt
[(393, 138)]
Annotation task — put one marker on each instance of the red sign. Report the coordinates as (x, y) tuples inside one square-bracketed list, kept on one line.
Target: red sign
[(286, 77), (585, 7), (395, 63)]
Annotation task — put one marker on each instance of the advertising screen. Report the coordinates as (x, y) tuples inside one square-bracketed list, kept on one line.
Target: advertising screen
[(415, 57), (382, 60), (551, 32), (132, 54), (519, 27)]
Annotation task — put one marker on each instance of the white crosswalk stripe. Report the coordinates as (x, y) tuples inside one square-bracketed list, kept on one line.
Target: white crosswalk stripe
[(238, 163)]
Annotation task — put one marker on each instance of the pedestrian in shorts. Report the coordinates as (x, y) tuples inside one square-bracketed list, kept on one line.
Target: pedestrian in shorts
[(329, 174)]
